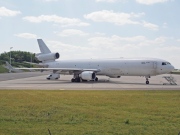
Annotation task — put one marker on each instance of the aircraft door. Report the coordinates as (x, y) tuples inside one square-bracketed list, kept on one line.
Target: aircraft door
[(154, 64)]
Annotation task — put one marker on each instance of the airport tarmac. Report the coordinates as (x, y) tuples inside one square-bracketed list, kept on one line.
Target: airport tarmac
[(13, 76), (37, 81)]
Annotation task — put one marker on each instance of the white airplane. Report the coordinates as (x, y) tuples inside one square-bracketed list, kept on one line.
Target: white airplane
[(87, 70)]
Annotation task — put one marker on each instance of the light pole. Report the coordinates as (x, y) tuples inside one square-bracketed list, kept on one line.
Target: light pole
[(10, 55)]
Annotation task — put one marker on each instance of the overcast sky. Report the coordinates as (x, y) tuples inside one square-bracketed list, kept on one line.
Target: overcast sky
[(79, 29)]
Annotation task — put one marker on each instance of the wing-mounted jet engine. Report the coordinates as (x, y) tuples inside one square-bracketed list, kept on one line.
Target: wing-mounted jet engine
[(85, 76), (88, 75)]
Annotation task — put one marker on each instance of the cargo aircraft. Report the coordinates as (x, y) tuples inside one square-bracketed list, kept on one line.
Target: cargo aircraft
[(89, 69)]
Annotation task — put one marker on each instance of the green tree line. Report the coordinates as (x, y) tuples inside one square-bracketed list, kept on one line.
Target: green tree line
[(18, 58)]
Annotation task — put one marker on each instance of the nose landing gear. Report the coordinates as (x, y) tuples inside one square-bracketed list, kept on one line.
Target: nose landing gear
[(147, 80)]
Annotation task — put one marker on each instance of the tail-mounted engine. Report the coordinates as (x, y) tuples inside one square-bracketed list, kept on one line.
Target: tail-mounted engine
[(48, 56)]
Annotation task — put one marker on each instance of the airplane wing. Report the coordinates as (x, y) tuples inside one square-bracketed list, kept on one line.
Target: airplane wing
[(37, 64), (60, 70)]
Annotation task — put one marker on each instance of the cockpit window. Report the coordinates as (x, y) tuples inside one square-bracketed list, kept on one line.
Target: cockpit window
[(163, 63), (166, 63)]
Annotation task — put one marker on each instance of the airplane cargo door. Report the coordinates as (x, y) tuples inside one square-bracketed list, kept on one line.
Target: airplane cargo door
[(154, 64)]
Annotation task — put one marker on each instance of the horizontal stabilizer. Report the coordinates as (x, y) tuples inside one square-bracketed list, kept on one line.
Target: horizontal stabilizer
[(9, 66)]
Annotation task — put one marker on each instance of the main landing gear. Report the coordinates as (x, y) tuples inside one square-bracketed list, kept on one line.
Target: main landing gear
[(78, 79), (147, 80), (96, 79)]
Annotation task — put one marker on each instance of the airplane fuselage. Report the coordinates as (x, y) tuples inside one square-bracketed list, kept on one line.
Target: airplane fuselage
[(118, 67)]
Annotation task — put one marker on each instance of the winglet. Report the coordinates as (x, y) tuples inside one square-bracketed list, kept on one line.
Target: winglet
[(9, 66)]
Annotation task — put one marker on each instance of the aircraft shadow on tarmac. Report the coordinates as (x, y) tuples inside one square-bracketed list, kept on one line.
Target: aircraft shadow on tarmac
[(89, 82)]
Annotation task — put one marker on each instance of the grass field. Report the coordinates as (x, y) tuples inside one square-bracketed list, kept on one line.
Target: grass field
[(3, 70), (175, 72), (89, 112)]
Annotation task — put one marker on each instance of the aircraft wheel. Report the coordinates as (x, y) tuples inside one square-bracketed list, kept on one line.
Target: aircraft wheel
[(147, 82), (96, 79), (72, 80), (78, 79)]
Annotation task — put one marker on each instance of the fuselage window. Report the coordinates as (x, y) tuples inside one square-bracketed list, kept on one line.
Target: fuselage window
[(143, 63)]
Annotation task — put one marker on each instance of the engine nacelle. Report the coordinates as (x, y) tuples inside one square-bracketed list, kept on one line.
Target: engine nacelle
[(53, 76), (88, 75), (47, 57)]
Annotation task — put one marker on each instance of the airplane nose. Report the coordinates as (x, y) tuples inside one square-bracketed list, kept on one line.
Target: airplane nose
[(172, 68)]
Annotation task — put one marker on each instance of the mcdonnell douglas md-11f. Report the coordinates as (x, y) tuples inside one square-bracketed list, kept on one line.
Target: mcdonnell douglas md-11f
[(89, 69)]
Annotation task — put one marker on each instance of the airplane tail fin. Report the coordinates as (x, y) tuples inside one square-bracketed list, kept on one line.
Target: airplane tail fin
[(46, 55), (43, 47)]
